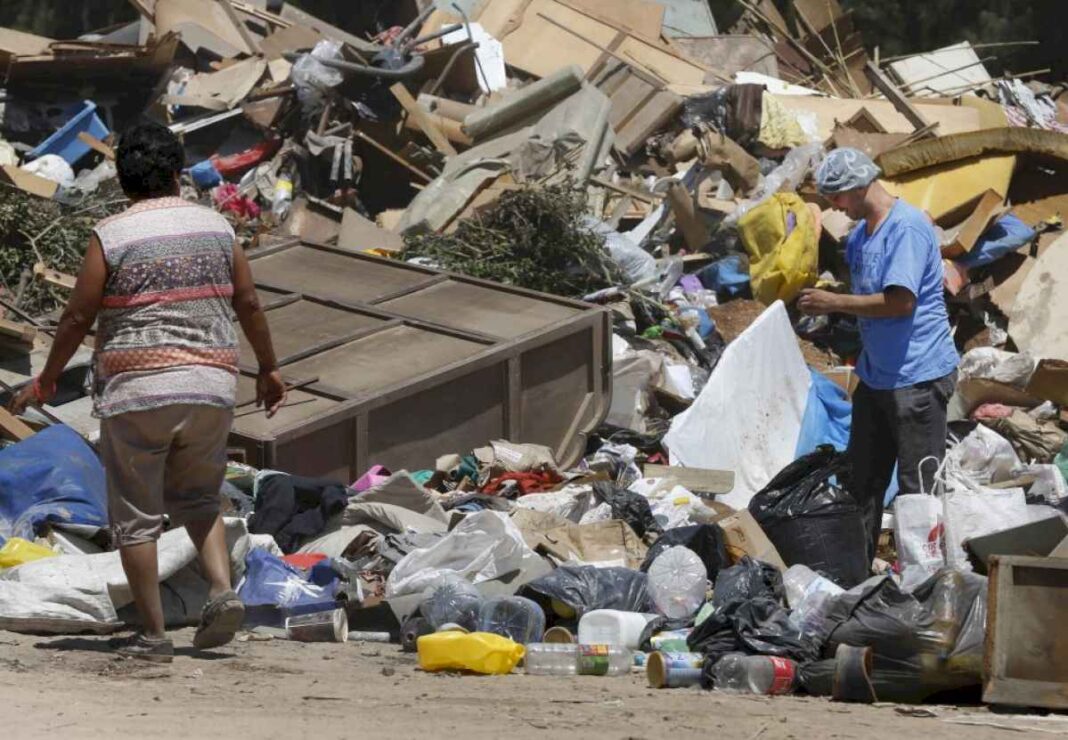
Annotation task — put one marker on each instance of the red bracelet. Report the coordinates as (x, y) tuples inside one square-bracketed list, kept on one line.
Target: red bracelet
[(37, 392)]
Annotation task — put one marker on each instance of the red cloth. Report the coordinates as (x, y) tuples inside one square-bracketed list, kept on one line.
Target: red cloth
[(304, 560), (527, 482), (235, 165), (227, 198)]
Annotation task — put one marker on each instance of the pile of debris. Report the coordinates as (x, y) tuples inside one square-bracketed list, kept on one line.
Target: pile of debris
[(666, 446)]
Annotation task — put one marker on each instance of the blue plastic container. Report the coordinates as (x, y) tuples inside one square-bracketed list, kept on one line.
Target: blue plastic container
[(66, 143)]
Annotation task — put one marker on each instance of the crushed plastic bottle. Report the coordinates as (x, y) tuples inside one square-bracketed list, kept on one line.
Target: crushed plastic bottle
[(551, 659), (754, 674), (678, 582), (809, 596)]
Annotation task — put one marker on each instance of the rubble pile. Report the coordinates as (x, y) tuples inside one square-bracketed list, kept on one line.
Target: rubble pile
[(640, 466)]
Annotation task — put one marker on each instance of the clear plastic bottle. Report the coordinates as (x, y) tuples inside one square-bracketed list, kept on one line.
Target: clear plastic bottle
[(678, 582), (515, 617), (754, 674), (551, 659), (810, 596), (455, 601), (283, 195), (604, 660)]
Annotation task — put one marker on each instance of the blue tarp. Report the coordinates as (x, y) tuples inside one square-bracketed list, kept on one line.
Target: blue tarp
[(729, 276), (53, 476), (1006, 235), (270, 581), (828, 414)]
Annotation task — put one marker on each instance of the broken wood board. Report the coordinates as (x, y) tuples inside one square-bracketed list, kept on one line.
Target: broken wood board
[(360, 234), (1037, 317), (14, 428), (638, 17), (639, 109), (727, 54), (17, 43), (694, 479), (54, 277), (222, 90), (944, 189), (1026, 657), (28, 182), (950, 119), (990, 206), (526, 29), (96, 145), (895, 96), (201, 23), (865, 122), (422, 119), (307, 221), (872, 144), (15, 332)]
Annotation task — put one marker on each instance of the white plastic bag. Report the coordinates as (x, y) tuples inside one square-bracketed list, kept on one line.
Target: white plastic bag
[(481, 547), (918, 528), (984, 456), (974, 513)]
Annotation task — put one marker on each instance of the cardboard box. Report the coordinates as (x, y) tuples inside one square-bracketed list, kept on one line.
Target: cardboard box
[(745, 537)]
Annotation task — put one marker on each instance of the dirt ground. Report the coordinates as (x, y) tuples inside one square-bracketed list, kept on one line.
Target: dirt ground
[(73, 687)]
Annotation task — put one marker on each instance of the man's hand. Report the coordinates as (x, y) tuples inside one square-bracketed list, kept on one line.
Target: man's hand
[(816, 302), (270, 391)]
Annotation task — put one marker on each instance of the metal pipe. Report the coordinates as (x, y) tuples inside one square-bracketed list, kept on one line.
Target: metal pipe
[(408, 70), (418, 21)]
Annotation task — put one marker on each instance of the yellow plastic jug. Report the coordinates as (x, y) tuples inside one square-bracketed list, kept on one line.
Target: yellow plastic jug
[(17, 551), (480, 652)]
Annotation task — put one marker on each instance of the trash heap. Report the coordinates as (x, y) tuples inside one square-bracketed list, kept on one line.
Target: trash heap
[(706, 533)]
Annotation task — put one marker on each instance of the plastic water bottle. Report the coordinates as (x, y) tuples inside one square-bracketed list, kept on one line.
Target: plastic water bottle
[(613, 627), (515, 617), (810, 596), (551, 659), (283, 196), (754, 674), (456, 601), (678, 582), (604, 660)]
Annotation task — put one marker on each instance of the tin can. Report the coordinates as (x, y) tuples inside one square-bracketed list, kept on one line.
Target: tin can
[(666, 670)]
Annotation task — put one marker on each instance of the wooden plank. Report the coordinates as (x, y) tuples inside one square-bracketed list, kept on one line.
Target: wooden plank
[(1026, 656), (895, 96), (21, 333), (705, 480), (13, 427), (54, 277), (425, 123), (96, 145), (991, 205)]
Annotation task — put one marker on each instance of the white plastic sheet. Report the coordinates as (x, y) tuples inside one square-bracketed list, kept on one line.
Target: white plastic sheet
[(974, 513), (984, 456), (481, 547), (748, 416)]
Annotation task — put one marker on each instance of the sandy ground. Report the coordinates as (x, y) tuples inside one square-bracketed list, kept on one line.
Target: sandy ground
[(73, 687)]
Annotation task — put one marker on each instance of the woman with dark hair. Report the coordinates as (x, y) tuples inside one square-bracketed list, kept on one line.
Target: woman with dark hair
[(164, 278)]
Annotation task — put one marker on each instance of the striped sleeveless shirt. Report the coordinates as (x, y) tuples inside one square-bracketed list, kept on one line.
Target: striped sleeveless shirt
[(165, 330)]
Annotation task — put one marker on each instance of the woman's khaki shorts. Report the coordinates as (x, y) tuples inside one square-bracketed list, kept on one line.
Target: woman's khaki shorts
[(170, 460)]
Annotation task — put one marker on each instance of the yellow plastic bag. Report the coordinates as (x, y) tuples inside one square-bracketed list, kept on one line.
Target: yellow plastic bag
[(480, 652), (782, 260), (17, 551)]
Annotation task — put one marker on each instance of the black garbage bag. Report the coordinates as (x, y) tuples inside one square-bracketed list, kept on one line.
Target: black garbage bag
[(749, 579), (707, 541), (759, 626), (584, 588), (813, 520), (658, 625), (631, 507), (923, 643)]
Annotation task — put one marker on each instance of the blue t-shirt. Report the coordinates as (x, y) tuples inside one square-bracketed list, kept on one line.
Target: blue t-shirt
[(904, 252)]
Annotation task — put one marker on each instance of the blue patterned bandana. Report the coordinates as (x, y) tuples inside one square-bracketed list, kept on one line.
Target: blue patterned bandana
[(845, 169)]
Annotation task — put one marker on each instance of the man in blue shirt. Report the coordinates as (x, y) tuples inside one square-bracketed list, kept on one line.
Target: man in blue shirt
[(908, 364)]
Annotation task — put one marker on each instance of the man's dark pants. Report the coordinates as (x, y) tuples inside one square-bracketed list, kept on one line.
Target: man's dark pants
[(901, 426)]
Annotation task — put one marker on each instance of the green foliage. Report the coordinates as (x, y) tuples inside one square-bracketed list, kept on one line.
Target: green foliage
[(532, 237), (33, 229)]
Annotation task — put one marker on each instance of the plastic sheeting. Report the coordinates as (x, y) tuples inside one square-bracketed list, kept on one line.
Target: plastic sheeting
[(828, 416), (51, 477), (748, 416), (270, 581), (483, 546)]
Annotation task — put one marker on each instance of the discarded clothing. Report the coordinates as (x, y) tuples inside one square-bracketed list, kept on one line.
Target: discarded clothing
[(1008, 234), (781, 238), (523, 483), (1034, 441), (292, 508)]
